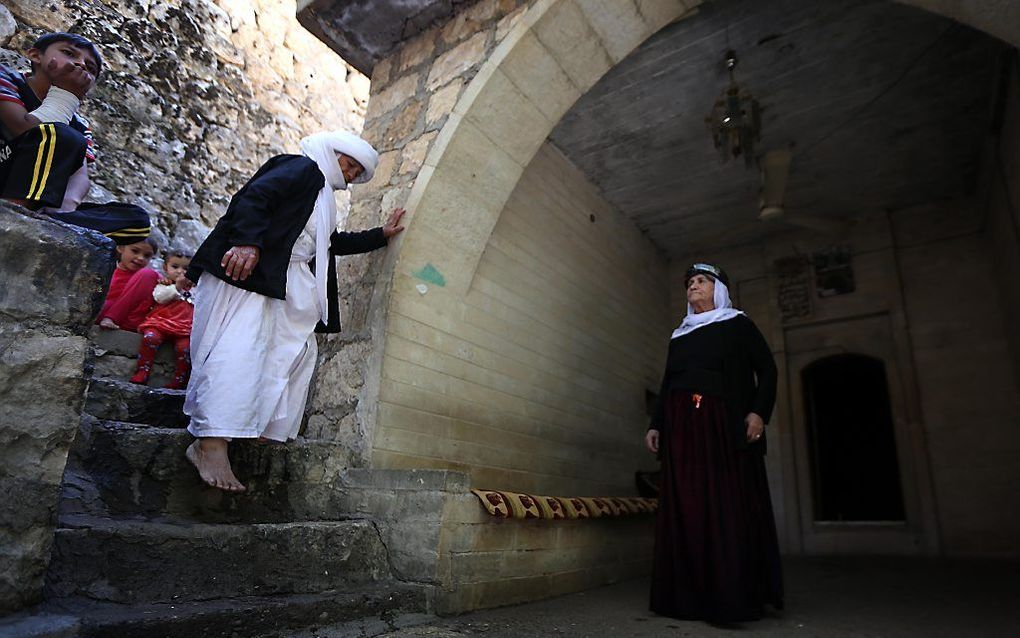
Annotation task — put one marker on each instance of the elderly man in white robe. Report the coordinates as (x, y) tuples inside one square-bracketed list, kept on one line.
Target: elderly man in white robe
[(258, 302)]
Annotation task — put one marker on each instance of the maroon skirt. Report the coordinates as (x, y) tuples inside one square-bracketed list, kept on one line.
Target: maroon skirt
[(716, 549)]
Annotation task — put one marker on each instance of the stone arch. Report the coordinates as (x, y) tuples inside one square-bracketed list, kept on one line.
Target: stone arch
[(554, 54), (558, 51)]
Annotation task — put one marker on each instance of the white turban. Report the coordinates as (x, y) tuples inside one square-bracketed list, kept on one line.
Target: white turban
[(323, 148)]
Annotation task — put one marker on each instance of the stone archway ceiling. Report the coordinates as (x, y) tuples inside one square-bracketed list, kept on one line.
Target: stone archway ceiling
[(639, 134), (363, 32)]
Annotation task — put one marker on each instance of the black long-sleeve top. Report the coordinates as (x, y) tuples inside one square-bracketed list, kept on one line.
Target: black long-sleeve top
[(729, 359), (269, 212)]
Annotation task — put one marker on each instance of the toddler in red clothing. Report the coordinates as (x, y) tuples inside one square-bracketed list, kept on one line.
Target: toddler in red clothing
[(169, 319), (130, 294)]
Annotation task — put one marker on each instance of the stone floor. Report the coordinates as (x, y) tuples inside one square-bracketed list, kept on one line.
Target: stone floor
[(829, 598)]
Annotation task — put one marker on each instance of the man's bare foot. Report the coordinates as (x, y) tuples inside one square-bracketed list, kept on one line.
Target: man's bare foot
[(209, 456), (108, 324)]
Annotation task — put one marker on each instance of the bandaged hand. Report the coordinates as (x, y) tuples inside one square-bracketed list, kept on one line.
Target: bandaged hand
[(59, 106), (239, 261)]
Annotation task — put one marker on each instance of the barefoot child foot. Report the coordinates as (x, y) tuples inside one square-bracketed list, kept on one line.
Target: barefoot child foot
[(209, 456)]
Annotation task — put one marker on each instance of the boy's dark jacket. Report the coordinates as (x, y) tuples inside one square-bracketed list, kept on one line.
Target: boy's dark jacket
[(270, 212)]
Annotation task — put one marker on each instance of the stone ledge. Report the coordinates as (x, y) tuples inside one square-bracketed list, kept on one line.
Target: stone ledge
[(54, 273), (357, 613), (123, 470), (40, 626), (441, 480), (135, 562), (363, 32)]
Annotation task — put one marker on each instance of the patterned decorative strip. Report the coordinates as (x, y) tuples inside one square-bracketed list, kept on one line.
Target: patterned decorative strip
[(524, 506)]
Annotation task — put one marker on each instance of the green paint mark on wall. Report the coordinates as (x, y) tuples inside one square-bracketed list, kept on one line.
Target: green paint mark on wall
[(431, 275)]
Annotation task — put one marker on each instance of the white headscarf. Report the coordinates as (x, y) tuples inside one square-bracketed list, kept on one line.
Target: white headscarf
[(323, 148), (723, 310)]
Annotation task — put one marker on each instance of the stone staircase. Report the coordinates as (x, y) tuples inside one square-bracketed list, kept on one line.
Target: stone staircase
[(143, 548)]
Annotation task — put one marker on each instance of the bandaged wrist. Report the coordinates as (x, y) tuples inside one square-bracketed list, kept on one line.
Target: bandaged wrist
[(59, 105)]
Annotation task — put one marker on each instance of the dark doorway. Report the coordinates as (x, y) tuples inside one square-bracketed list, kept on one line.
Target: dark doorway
[(854, 469)]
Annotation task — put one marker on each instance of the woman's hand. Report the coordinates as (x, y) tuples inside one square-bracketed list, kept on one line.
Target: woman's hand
[(652, 441), (392, 226), (755, 427), (184, 284), (239, 261)]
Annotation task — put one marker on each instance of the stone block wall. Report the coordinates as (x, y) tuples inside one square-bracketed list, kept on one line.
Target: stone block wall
[(413, 93), (408, 507), (969, 389), (437, 533), (1003, 215), (536, 380), (195, 96), (492, 562), (114, 355), (54, 280)]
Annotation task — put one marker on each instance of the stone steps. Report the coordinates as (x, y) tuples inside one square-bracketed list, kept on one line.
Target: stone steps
[(140, 562), (123, 470), (115, 353), (144, 548), (366, 611), (114, 400)]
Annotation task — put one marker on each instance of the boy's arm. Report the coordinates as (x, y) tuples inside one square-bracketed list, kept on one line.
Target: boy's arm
[(69, 84), (16, 117)]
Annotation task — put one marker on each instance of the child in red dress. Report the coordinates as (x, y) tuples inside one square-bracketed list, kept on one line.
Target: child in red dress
[(130, 294), (169, 319)]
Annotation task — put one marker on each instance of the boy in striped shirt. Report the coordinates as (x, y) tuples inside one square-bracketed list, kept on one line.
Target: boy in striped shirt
[(46, 146)]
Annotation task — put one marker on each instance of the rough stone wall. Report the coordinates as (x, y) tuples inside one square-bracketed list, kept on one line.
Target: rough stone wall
[(536, 380), (196, 95), (413, 93), (54, 280)]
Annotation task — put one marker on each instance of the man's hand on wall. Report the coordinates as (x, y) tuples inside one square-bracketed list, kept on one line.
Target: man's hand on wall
[(392, 226)]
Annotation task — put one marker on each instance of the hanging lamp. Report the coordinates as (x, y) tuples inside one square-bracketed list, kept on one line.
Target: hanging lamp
[(735, 120)]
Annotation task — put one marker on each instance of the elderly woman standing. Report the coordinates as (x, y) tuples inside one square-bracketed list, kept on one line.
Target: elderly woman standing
[(258, 302), (716, 550)]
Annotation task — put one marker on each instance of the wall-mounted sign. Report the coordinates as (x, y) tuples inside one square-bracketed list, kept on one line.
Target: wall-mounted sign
[(793, 287)]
